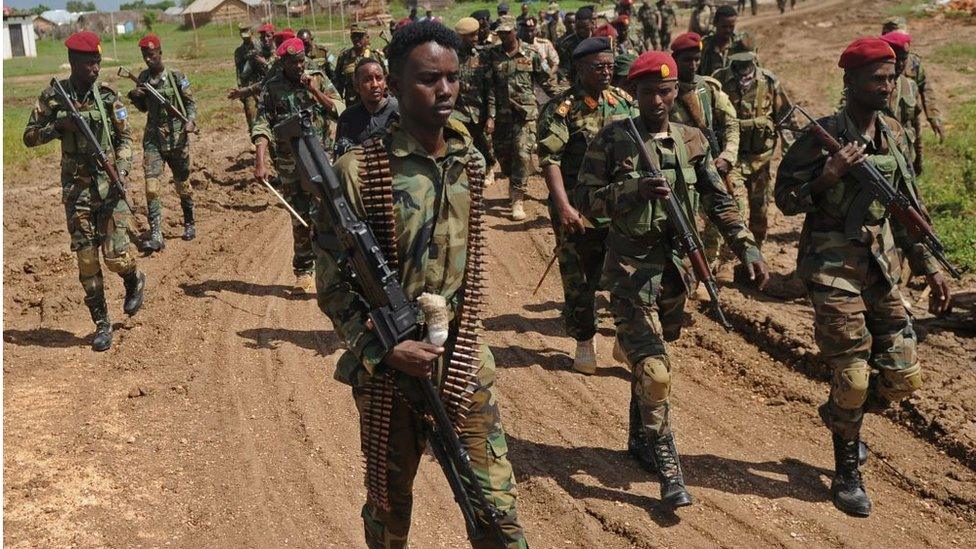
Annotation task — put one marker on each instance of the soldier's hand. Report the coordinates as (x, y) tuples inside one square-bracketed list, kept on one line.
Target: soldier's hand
[(234, 93), (723, 166), (571, 221), (842, 161), (490, 126), (191, 127), (941, 296), (306, 80), (414, 358), (260, 171), (758, 272), (937, 128), (654, 188), (138, 93)]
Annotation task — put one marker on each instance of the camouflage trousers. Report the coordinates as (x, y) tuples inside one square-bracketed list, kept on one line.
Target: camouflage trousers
[(250, 111), (651, 37), (481, 434), (303, 259), (482, 142), (647, 301), (711, 238), (759, 193), (97, 225), (580, 258), (514, 144), (868, 342), (153, 163)]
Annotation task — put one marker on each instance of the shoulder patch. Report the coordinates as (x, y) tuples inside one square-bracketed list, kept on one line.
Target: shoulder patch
[(121, 113), (622, 93), (563, 109)]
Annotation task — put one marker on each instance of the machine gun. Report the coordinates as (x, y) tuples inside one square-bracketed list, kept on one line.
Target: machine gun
[(685, 235), (393, 317), (97, 153), (163, 102)]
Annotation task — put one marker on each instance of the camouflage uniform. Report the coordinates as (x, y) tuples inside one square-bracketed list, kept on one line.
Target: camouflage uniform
[(566, 126), (345, 69), (860, 322), (715, 57), (476, 100), (439, 268), (513, 78), (905, 105), (758, 108), (915, 71), (649, 17), (702, 18), (98, 218), (642, 270), (545, 49), (252, 63), (668, 20), (280, 98), (164, 141), (565, 47)]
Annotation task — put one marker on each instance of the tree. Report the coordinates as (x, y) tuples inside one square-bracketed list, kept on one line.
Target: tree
[(39, 9), (77, 5)]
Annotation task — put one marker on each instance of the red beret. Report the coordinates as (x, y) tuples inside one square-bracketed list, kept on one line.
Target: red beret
[(290, 46), (687, 41), (403, 22), (267, 27), (898, 40), (657, 64), (605, 30), (84, 42), (149, 42), (280, 36), (865, 51)]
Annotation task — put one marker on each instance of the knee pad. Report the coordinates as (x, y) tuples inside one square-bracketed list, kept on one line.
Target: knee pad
[(896, 385), (654, 379), (152, 188), (120, 263), (88, 263), (851, 386)]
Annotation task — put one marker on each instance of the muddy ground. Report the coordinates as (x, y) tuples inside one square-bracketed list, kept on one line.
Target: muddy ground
[(214, 420)]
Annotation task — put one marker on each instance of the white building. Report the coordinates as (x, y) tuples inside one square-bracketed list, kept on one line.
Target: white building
[(18, 37)]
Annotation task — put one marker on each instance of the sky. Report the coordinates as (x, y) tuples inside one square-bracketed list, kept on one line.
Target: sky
[(102, 5)]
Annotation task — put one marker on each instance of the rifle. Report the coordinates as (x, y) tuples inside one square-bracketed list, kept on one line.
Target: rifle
[(902, 206), (393, 318), (163, 102), (686, 237), (98, 154)]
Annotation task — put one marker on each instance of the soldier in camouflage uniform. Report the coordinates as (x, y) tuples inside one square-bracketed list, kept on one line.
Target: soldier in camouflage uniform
[(429, 153), (760, 103), (583, 27), (861, 325), (245, 74), (915, 70), (252, 71), (286, 92), (515, 69), (165, 141), (628, 40), (345, 65), (643, 271), (317, 57), (552, 26), (702, 18), (717, 44), (567, 124), (98, 216), (476, 99), (702, 104), (545, 49), (668, 20), (906, 101), (650, 19)]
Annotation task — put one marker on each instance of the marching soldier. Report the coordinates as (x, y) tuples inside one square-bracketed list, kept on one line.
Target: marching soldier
[(475, 103), (289, 90), (642, 270), (553, 27), (702, 17), (545, 49), (374, 112), (906, 101), (567, 124), (515, 69), (716, 45), (863, 329), (245, 77), (760, 103), (165, 141), (583, 27), (431, 161), (627, 40), (253, 64), (348, 59), (650, 19), (915, 70), (318, 57), (669, 20), (97, 214)]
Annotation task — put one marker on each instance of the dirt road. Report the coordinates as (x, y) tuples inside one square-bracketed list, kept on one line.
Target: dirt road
[(214, 420)]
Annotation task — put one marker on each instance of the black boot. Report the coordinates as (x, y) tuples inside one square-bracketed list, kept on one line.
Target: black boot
[(189, 229), (673, 491), (134, 283), (637, 440), (156, 243), (846, 486), (103, 326)]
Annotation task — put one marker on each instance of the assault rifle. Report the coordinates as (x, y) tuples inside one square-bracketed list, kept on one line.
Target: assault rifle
[(98, 154), (902, 206), (685, 235), (393, 318), (163, 102)]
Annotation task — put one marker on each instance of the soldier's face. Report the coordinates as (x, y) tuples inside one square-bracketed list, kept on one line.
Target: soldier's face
[(469, 40), (508, 39), (266, 38), (871, 86), (360, 41), (688, 62), (595, 71), (153, 58), (584, 27), (654, 98), (725, 27), (427, 85), (293, 66), (370, 83), (569, 21), (85, 67)]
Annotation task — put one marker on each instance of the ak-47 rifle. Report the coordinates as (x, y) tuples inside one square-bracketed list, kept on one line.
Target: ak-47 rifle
[(98, 154), (902, 206), (163, 102), (393, 317), (685, 235)]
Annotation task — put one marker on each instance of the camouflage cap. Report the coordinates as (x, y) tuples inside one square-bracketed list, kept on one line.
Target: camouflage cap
[(894, 23), (506, 23), (743, 49), (553, 7), (358, 28), (244, 29)]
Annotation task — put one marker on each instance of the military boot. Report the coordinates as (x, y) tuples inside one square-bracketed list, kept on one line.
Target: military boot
[(846, 486), (673, 491), (135, 283), (103, 326), (518, 205), (155, 242), (637, 439), (189, 229)]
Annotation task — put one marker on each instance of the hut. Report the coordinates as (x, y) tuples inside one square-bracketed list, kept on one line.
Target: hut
[(18, 36), (202, 12)]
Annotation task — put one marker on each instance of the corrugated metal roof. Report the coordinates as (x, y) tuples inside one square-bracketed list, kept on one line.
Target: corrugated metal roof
[(60, 17), (206, 6)]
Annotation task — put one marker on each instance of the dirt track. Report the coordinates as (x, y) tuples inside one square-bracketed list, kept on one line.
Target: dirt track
[(214, 420)]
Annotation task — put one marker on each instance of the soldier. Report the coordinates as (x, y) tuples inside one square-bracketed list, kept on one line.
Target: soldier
[(668, 20), (642, 269), (244, 73), (916, 71), (650, 19), (502, 11), (431, 159), (253, 66), (702, 17), (475, 104), (906, 102), (554, 27), (484, 27), (317, 57), (374, 111), (863, 330), (514, 70), (566, 126), (569, 27), (520, 20), (583, 28), (545, 49), (702, 104), (165, 141), (286, 92), (760, 103), (349, 58), (97, 214), (715, 46), (627, 41)]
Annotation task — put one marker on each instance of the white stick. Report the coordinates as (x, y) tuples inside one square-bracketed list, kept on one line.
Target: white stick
[(285, 202)]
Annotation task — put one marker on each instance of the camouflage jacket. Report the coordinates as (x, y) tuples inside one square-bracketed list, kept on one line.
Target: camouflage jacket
[(552, 30), (345, 69), (431, 206), (476, 98), (916, 71), (827, 254), (513, 79), (701, 20), (162, 129), (281, 97), (905, 105), (713, 56), (259, 61), (758, 109), (702, 104), (545, 49), (639, 228), (565, 47), (649, 17), (241, 56), (108, 118), (668, 17), (632, 43)]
